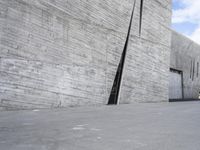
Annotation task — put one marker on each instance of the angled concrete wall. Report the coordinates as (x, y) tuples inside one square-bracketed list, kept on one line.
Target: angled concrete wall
[(146, 72), (65, 53), (185, 56)]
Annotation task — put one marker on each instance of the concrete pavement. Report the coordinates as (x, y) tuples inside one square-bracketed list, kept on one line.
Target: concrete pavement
[(160, 126)]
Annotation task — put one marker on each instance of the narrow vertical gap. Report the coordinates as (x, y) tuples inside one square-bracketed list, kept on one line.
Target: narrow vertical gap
[(141, 16), (193, 72), (197, 69), (182, 85), (113, 99)]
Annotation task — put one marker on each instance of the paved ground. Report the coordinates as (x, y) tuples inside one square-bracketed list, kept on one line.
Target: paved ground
[(164, 126)]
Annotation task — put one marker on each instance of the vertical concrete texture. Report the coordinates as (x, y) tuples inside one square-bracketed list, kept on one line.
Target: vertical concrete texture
[(58, 53), (146, 73), (185, 56)]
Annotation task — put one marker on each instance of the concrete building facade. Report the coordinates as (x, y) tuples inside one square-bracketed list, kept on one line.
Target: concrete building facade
[(185, 59), (59, 53)]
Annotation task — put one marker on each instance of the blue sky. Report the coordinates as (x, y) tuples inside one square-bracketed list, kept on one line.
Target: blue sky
[(186, 28), (177, 5), (186, 18)]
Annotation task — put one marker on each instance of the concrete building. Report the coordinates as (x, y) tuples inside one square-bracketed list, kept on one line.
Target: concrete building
[(184, 73), (59, 53)]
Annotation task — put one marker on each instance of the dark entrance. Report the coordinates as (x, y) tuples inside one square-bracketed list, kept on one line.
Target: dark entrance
[(116, 85), (113, 99)]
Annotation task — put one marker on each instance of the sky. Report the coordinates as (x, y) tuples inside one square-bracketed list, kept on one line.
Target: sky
[(186, 18)]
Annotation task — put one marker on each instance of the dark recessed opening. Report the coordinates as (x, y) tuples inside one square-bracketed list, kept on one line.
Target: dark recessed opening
[(141, 16), (115, 89), (113, 99)]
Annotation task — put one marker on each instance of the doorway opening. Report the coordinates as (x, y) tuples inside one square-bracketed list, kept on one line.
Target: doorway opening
[(176, 85), (199, 95)]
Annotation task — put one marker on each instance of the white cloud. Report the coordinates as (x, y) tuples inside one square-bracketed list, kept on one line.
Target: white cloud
[(190, 13), (196, 35)]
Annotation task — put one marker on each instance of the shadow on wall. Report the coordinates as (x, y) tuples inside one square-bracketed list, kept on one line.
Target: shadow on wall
[(183, 100)]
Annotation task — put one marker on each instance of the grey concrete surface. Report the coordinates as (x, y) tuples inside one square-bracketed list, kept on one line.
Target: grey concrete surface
[(160, 126), (185, 56), (59, 53)]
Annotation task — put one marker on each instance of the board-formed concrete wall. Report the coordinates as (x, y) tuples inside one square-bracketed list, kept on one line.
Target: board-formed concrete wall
[(146, 71), (58, 53), (185, 56)]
